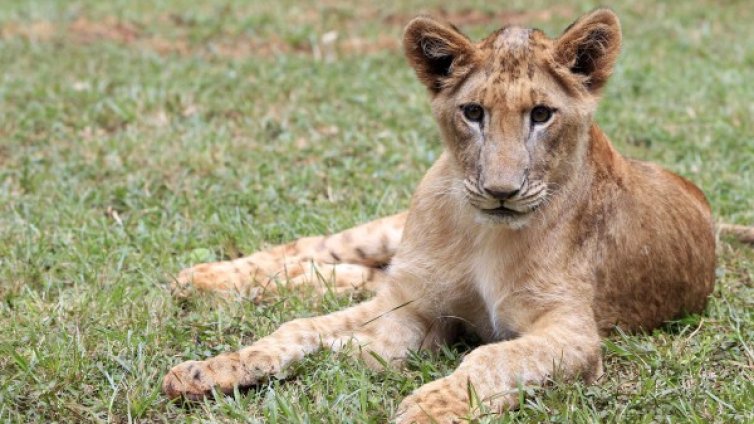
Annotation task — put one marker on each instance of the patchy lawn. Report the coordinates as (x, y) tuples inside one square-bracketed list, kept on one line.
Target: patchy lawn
[(138, 137)]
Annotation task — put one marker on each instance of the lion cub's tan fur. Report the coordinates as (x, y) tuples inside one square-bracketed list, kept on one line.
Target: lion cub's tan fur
[(537, 236)]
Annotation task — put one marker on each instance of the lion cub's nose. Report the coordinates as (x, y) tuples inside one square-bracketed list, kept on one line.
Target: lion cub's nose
[(501, 192)]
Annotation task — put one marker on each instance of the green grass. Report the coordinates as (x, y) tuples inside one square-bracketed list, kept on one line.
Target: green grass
[(124, 158)]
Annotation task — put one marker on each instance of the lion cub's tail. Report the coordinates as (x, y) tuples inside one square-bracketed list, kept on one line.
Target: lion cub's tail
[(741, 232)]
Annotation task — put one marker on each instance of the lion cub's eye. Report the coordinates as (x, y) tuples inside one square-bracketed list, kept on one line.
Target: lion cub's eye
[(473, 112), (541, 114)]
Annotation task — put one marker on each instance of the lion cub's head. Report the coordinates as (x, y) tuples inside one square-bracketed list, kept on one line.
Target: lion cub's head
[(514, 109)]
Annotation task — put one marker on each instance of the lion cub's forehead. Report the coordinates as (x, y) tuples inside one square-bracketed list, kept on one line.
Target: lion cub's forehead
[(511, 39), (511, 57), (513, 51)]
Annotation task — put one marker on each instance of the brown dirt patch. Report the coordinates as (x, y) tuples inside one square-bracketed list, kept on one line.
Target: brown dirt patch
[(471, 17), (84, 31), (329, 46), (40, 30)]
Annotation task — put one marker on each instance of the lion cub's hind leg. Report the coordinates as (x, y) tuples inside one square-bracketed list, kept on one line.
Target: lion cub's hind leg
[(349, 260)]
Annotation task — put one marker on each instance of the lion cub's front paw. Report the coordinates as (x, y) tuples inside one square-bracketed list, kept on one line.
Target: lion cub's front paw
[(443, 401), (195, 380)]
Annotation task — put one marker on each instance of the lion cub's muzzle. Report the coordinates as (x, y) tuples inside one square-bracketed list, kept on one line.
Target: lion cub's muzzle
[(509, 204)]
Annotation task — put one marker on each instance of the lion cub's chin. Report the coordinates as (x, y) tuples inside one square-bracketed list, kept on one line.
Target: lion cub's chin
[(513, 220)]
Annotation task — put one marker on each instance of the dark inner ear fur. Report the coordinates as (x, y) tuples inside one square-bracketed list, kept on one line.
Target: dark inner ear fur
[(589, 51), (590, 47), (439, 59)]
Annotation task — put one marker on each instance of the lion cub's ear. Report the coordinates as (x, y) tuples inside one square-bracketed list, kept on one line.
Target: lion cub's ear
[(438, 52), (590, 47)]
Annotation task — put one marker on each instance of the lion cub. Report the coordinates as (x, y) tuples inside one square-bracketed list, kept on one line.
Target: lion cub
[(530, 230)]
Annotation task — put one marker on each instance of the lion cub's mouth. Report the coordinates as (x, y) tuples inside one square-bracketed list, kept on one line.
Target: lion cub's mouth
[(530, 198), (502, 211)]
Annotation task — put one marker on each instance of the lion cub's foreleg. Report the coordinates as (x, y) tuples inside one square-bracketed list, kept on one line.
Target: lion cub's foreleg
[(344, 261), (562, 343), (384, 327)]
